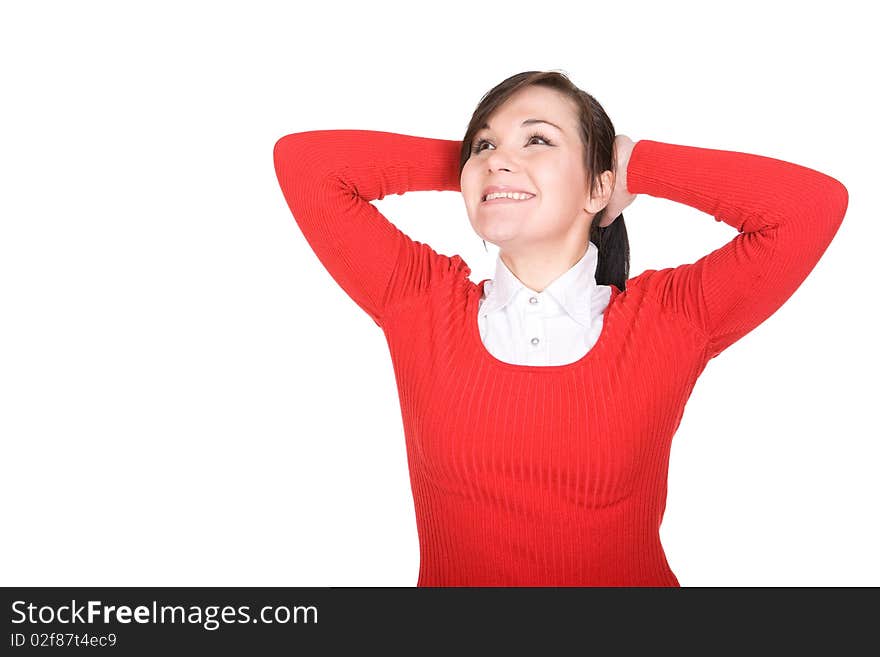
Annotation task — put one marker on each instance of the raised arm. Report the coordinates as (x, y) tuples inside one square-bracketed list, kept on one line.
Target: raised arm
[(786, 215), (329, 177)]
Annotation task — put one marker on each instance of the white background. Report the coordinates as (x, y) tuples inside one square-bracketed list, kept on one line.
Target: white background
[(188, 398)]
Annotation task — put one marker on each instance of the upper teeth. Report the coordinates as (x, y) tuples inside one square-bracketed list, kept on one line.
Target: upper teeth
[(516, 195)]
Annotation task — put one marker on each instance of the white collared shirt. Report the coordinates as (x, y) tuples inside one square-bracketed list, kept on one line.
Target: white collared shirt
[(554, 327)]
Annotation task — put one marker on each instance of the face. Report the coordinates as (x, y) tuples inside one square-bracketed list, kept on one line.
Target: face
[(538, 158)]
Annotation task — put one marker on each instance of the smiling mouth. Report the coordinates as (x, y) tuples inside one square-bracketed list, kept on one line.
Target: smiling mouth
[(504, 199)]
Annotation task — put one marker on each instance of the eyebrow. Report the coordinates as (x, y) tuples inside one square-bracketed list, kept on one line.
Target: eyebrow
[(485, 126)]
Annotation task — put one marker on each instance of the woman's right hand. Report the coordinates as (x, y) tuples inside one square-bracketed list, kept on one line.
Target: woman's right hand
[(620, 195)]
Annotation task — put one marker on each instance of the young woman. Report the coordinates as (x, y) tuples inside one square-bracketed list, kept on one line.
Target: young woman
[(539, 407)]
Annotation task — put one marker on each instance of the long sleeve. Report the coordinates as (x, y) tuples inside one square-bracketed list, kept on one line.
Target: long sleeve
[(329, 177), (786, 215)]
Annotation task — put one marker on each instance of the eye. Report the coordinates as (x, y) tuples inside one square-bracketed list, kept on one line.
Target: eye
[(535, 135)]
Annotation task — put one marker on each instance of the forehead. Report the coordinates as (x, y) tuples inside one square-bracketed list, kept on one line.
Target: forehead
[(533, 106)]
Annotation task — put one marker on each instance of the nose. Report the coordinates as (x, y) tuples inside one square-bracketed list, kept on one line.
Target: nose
[(497, 161)]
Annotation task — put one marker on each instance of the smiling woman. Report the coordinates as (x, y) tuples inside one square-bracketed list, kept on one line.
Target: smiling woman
[(568, 163), (539, 417)]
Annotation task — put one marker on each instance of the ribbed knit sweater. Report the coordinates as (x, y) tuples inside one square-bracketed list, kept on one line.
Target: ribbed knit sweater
[(552, 475)]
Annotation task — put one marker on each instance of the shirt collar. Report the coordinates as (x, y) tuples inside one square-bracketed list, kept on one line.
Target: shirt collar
[(574, 290)]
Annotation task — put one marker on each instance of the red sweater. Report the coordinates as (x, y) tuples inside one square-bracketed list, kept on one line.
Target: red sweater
[(551, 475)]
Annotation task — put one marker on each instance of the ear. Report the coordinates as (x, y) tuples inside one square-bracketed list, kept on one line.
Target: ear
[(602, 194)]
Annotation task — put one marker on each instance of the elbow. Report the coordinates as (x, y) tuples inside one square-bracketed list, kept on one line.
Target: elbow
[(835, 196), (302, 155), (836, 203), (289, 148), (830, 201), (841, 199), (279, 151), (833, 205)]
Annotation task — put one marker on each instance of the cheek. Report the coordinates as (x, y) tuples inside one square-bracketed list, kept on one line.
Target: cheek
[(555, 191), (468, 184), (565, 188), (558, 207)]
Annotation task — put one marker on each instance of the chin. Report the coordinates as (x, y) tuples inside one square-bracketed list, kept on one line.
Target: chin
[(499, 231)]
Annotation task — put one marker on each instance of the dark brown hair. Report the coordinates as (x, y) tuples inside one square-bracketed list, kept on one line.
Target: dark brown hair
[(597, 136)]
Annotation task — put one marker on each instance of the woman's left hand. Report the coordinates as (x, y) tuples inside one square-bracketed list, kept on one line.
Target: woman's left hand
[(620, 195)]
